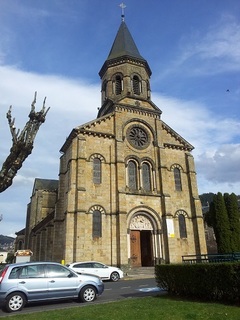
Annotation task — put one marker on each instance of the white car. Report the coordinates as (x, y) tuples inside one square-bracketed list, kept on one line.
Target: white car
[(96, 268)]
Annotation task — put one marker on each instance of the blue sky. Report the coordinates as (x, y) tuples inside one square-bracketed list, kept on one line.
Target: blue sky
[(57, 47)]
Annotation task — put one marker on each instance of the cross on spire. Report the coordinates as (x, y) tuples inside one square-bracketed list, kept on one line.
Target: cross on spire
[(123, 6)]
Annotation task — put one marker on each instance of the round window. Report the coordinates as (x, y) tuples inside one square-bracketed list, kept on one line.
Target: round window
[(138, 137)]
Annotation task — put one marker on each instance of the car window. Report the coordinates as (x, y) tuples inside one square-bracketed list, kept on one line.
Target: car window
[(98, 265), (54, 271), (14, 274), (79, 265), (33, 271), (83, 265)]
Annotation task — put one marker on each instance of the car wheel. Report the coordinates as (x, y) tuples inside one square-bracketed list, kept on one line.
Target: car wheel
[(88, 294), (115, 276), (15, 302)]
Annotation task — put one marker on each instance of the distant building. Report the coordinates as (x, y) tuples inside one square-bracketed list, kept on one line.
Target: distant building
[(20, 240), (3, 257), (127, 192)]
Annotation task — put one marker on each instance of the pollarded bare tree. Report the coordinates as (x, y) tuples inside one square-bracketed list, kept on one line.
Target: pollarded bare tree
[(22, 143)]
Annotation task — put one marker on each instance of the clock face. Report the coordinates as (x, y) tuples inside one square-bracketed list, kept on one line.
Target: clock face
[(137, 137)]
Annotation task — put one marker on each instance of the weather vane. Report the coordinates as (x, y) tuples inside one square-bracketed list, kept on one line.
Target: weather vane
[(123, 6)]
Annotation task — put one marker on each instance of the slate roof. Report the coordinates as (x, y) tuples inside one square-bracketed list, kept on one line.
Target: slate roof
[(124, 45), (45, 184)]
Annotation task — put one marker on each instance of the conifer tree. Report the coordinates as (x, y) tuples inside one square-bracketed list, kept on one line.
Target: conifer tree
[(234, 220), (221, 223)]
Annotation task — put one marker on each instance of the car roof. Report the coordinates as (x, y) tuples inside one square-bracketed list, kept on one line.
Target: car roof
[(22, 264), (88, 262)]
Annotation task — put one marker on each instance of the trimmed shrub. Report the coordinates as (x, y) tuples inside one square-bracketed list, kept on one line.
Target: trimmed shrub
[(209, 282)]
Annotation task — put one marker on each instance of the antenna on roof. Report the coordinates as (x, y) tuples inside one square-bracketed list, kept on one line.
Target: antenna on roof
[(123, 6)]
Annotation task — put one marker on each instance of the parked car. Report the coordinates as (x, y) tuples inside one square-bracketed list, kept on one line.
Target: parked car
[(21, 283), (99, 269)]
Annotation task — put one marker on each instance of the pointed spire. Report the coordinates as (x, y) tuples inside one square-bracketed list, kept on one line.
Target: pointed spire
[(124, 48), (124, 44)]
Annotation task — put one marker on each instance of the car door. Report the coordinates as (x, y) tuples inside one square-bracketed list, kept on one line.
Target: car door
[(61, 282), (32, 281), (84, 267), (101, 270)]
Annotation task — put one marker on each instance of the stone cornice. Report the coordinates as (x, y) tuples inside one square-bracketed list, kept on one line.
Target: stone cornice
[(85, 130), (138, 110), (94, 122), (176, 146), (124, 59), (95, 133), (184, 144)]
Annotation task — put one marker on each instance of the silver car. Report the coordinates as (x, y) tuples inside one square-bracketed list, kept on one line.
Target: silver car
[(21, 283)]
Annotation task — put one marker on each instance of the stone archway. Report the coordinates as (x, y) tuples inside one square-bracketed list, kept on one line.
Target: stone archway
[(141, 241)]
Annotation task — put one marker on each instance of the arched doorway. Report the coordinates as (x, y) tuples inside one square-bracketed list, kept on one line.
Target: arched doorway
[(141, 241)]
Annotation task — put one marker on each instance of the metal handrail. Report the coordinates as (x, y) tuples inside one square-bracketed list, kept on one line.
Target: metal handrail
[(218, 257)]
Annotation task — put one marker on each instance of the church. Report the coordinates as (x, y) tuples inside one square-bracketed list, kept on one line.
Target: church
[(127, 191)]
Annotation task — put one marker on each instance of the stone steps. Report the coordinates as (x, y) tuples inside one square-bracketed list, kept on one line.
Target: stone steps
[(141, 272)]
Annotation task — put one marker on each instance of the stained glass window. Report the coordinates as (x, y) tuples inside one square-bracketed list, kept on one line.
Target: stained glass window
[(132, 175), (182, 226), (146, 177), (177, 179), (97, 224), (96, 171)]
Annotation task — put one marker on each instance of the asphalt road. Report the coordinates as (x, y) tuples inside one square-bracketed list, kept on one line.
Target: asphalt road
[(114, 291)]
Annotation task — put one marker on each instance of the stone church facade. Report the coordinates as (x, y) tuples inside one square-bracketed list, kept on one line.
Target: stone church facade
[(127, 192)]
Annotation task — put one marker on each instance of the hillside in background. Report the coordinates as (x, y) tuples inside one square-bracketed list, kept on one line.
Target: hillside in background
[(207, 198), (6, 241)]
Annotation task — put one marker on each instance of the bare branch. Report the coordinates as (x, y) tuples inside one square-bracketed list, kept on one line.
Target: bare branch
[(34, 101), (22, 143)]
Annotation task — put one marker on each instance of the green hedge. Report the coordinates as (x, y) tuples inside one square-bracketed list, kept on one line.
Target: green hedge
[(211, 281)]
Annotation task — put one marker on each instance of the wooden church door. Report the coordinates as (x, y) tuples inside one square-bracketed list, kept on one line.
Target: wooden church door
[(135, 246)]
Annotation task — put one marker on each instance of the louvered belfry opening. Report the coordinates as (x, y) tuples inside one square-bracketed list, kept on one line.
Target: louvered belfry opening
[(136, 85), (118, 85)]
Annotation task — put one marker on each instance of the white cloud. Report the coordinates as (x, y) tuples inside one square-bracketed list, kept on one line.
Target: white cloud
[(215, 138), (222, 41), (222, 166), (209, 52), (197, 124)]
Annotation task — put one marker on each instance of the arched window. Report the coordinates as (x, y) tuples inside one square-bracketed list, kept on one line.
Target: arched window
[(177, 179), (136, 85), (20, 245), (146, 177), (118, 85), (182, 226), (104, 90), (97, 171), (148, 90), (132, 175), (97, 224)]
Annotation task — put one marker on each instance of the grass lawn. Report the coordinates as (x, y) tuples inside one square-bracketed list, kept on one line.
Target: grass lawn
[(149, 308)]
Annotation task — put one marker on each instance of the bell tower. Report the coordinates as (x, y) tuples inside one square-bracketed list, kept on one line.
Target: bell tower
[(125, 73)]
